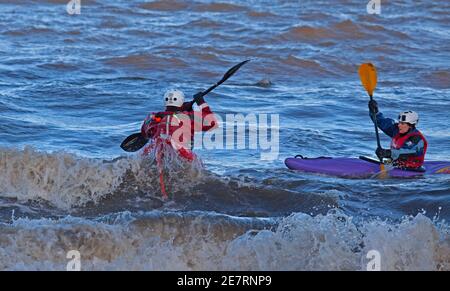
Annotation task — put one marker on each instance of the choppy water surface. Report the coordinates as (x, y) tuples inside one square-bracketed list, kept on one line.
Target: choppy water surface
[(72, 87)]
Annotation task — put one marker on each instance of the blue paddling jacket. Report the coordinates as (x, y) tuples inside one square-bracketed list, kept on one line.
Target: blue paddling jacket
[(409, 149)]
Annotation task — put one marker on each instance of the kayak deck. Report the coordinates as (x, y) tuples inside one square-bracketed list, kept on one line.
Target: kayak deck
[(357, 168)]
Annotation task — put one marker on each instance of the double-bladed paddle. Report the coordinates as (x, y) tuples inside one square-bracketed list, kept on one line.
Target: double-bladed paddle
[(136, 141)]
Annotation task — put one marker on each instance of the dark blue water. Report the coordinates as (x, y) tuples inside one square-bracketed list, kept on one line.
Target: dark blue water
[(72, 87)]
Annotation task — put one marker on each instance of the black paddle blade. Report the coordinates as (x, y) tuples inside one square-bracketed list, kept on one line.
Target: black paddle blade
[(232, 71), (134, 142), (227, 75)]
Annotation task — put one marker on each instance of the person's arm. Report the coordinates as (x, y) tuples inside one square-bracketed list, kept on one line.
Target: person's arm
[(387, 125), (204, 120), (148, 127), (209, 118)]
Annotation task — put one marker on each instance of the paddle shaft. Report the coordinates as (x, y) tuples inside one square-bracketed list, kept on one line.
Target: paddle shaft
[(209, 90), (382, 168), (376, 126)]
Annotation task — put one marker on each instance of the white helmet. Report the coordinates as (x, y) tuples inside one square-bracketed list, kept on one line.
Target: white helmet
[(410, 117), (174, 98)]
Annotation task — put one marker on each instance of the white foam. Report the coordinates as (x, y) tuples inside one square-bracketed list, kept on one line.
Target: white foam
[(334, 242), (206, 241), (60, 178), (66, 180)]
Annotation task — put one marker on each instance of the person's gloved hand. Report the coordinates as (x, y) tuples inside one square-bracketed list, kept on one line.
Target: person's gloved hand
[(373, 106), (383, 154), (198, 98)]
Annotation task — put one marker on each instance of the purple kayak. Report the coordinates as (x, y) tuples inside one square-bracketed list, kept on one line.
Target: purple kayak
[(358, 168)]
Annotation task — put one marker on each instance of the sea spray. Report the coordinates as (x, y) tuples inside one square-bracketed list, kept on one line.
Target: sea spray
[(166, 240), (63, 179)]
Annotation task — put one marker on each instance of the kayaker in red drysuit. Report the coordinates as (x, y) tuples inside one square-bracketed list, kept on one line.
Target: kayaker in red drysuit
[(176, 127), (408, 146)]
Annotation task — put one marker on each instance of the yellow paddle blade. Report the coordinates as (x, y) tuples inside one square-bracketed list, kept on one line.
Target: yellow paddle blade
[(368, 76)]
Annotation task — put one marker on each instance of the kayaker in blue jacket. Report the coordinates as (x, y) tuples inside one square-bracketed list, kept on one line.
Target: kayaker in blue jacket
[(408, 146)]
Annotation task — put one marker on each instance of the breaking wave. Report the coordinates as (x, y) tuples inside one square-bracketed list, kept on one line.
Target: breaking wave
[(65, 180), (207, 241)]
